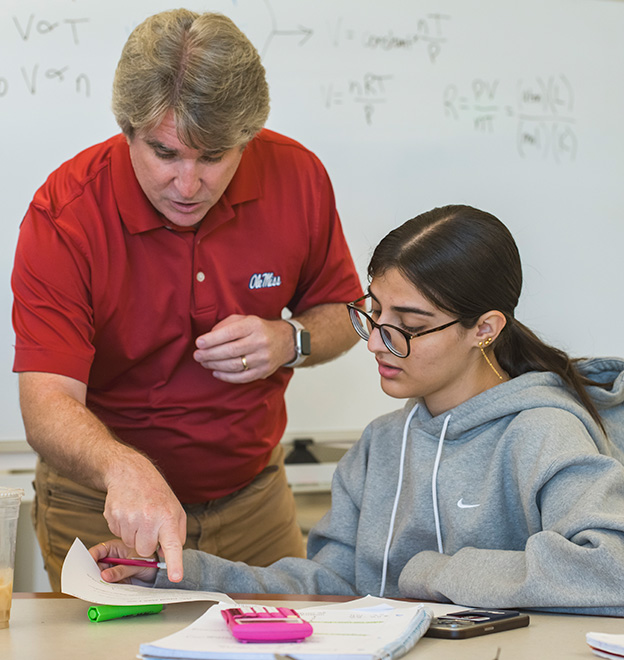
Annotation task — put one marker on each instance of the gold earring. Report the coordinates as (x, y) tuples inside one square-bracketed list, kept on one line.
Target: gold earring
[(487, 342)]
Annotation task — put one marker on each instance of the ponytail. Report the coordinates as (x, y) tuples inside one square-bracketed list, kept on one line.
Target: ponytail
[(519, 350)]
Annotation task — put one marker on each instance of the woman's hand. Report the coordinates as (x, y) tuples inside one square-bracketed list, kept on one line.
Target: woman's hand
[(119, 573)]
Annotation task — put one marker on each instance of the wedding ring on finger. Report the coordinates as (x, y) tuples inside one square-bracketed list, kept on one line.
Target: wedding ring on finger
[(244, 361)]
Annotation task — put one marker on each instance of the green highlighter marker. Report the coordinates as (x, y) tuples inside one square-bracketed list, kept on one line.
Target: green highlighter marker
[(99, 613)]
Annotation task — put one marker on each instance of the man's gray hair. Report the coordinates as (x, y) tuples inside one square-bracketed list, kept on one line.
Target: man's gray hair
[(199, 66)]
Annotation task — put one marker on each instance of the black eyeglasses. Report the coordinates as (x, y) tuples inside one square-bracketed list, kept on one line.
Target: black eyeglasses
[(396, 340)]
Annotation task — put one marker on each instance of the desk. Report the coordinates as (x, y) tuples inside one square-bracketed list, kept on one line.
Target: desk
[(55, 627)]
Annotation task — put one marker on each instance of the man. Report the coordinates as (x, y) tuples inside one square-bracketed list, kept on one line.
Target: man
[(150, 278)]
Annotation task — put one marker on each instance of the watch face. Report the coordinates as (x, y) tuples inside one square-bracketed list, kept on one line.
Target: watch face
[(305, 345)]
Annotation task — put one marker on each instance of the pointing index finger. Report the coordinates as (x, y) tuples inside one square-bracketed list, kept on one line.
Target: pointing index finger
[(171, 548)]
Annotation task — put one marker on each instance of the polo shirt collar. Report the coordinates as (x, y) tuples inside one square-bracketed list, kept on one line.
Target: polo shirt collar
[(137, 212)]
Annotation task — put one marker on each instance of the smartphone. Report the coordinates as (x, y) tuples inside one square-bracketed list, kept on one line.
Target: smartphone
[(266, 624), (471, 623)]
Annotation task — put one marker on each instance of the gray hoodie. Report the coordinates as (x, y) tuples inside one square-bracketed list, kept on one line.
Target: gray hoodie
[(511, 499)]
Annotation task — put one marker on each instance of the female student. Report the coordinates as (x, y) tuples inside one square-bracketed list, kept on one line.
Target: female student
[(496, 485)]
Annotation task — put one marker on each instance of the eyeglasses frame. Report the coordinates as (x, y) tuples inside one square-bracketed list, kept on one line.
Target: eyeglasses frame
[(353, 308)]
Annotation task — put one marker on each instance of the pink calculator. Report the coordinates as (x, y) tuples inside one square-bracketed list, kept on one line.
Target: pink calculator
[(266, 624)]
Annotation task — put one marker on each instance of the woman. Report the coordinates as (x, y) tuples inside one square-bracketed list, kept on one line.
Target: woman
[(496, 485)]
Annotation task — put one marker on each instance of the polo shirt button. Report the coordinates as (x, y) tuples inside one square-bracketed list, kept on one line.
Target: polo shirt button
[(200, 276)]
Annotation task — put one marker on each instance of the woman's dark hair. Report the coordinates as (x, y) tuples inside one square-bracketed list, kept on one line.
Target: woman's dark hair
[(466, 262)]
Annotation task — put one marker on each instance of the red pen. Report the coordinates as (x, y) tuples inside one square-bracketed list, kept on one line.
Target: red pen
[(146, 563)]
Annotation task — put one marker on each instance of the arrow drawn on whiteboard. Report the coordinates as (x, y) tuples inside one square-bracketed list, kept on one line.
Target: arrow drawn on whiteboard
[(302, 31)]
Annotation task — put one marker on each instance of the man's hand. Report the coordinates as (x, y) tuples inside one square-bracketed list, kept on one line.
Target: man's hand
[(264, 345), (146, 515)]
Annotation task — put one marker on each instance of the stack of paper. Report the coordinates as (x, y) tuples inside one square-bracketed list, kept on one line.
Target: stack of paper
[(605, 645), (365, 629)]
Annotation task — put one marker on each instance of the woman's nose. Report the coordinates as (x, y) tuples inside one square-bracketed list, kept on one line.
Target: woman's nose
[(375, 342)]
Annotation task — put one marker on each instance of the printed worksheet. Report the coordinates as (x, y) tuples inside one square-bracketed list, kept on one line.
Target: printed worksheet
[(80, 577)]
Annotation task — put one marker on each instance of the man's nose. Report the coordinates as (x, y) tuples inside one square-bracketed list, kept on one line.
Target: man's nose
[(188, 180)]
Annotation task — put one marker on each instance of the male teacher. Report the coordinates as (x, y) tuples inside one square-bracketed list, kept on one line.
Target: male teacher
[(149, 282)]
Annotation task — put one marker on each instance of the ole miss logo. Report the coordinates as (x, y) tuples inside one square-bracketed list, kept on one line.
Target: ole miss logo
[(264, 280)]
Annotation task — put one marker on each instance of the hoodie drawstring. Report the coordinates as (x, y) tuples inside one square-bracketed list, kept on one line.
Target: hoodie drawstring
[(434, 485), (434, 491), (396, 501)]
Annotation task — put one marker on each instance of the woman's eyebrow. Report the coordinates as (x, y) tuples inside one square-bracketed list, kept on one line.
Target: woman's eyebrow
[(412, 310), (400, 309)]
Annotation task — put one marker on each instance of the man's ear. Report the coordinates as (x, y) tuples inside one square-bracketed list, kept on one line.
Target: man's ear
[(490, 325)]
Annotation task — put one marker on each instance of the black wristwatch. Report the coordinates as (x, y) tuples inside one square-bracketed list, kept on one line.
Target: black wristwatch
[(302, 343)]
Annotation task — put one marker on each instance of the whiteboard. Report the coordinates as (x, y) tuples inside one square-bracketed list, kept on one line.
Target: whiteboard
[(513, 107)]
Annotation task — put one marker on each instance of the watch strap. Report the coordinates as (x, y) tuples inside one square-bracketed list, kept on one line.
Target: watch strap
[(302, 343)]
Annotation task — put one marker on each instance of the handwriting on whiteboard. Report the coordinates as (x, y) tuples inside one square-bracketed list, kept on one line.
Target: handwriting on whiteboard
[(370, 89), (372, 65), (31, 26), (542, 109), (35, 77), (366, 91), (427, 32)]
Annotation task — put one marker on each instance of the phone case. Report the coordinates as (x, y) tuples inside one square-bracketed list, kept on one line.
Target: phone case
[(471, 623), (266, 624)]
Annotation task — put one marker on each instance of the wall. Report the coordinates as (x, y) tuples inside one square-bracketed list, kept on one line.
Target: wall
[(512, 107)]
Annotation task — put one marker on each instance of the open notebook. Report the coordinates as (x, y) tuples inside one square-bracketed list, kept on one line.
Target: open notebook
[(365, 629)]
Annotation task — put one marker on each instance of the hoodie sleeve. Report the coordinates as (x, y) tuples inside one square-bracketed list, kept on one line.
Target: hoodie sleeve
[(291, 575), (330, 568), (574, 563)]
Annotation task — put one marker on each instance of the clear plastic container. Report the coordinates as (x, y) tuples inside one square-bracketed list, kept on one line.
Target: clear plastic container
[(10, 499)]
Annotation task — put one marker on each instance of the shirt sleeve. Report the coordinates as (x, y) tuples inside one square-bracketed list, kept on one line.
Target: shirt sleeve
[(52, 315), (328, 274)]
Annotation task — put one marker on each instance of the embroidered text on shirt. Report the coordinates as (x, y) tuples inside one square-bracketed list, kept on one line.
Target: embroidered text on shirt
[(264, 280)]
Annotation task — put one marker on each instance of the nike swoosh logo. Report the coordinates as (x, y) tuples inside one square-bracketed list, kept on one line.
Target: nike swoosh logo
[(462, 505)]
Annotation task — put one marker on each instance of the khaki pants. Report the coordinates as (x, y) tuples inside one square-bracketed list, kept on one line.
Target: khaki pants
[(256, 525)]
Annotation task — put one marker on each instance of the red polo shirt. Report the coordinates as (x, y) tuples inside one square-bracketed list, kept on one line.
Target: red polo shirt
[(108, 294)]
